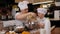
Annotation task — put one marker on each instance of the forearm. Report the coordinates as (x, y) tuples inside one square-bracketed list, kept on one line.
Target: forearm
[(21, 17)]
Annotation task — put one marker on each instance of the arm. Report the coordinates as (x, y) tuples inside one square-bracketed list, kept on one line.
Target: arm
[(23, 16), (20, 16)]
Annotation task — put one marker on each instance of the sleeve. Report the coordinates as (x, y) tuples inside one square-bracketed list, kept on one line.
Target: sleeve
[(16, 15), (47, 26), (18, 22)]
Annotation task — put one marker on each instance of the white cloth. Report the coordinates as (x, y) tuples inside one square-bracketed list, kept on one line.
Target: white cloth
[(23, 5), (16, 15), (8, 23), (12, 23), (42, 10), (19, 27), (18, 22), (47, 24)]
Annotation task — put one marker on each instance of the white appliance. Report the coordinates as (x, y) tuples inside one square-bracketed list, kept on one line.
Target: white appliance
[(56, 14), (57, 3)]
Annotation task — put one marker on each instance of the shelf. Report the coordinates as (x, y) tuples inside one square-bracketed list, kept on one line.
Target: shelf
[(54, 19), (43, 2)]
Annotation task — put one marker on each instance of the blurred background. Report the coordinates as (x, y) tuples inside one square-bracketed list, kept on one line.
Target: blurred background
[(8, 9)]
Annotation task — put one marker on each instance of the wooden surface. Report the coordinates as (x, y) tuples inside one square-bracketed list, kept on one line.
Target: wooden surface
[(32, 1), (1, 25), (56, 31)]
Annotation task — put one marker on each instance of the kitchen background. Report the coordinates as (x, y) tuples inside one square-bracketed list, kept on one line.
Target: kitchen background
[(8, 9)]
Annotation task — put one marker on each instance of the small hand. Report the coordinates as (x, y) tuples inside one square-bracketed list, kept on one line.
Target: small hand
[(41, 25)]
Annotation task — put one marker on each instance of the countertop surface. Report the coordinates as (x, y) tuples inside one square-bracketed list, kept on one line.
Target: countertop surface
[(56, 31)]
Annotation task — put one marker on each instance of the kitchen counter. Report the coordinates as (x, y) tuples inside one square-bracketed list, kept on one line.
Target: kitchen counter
[(56, 31)]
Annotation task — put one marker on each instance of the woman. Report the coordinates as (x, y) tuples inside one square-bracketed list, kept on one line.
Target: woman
[(21, 16), (24, 11), (43, 22)]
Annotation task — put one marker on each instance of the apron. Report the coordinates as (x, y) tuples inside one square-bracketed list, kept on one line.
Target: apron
[(47, 24)]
